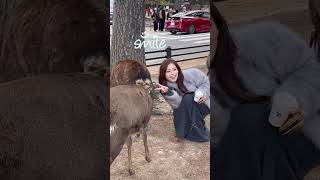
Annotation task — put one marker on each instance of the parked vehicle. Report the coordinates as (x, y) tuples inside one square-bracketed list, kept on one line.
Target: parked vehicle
[(189, 22)]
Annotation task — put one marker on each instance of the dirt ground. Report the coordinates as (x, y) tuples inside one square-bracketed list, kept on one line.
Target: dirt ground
[(188, 160)]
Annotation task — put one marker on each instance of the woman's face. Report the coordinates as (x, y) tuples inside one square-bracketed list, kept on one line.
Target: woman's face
[(172, 73)]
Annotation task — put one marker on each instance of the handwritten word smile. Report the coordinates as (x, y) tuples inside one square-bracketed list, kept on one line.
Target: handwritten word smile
[(155, 43)]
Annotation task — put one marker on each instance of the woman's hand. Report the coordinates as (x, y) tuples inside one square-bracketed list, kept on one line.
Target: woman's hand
[(163, 89), (283, 104), (293, 123), (286, 113), (202, 99)]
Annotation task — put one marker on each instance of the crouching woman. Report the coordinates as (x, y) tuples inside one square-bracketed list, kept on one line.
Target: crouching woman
[(188, 93)]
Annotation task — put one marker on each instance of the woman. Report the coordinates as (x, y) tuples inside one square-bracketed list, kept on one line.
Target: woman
[(265, 77), (162, 19), (155, 19), (188, 94)]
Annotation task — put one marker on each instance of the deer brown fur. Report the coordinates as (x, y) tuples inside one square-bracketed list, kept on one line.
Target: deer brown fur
[(127, 72), (131, 108), (53, 127), (51, 36)]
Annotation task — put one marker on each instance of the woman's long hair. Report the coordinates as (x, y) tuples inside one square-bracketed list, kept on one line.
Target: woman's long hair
[(314, 7), (162, 75), (221, 64)]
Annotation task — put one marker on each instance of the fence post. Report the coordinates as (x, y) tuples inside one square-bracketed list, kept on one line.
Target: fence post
[(168, 50)]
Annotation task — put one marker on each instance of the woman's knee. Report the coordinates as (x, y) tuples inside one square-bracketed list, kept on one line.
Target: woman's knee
[(250, 118), (188, 97)]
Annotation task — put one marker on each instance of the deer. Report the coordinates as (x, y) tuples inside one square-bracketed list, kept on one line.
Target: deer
[(130, 111), (130, 106)]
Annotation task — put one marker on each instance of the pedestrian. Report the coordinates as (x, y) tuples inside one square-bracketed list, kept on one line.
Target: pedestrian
[(155, 19), (149, 11), (170, 13), (266, 87), (162, 20), (188, 93)]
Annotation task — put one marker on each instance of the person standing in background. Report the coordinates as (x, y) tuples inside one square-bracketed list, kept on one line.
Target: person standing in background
[(155, 19), (162, 15)]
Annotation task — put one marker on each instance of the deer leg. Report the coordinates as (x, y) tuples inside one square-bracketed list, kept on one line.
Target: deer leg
[(129, 145), (145, 143)]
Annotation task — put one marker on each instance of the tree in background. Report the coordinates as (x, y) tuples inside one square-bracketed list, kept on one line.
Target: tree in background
[(177, 4), (128, 26), (164, 2)]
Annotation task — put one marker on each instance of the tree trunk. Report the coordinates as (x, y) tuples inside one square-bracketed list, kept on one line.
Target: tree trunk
[(177, 4), (128, 26)]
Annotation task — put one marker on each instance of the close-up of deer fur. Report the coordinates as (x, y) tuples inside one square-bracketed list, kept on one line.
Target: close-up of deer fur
[(53, 127), (49, 36)]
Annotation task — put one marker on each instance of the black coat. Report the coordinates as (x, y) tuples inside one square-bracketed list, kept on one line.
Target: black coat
[(163, 13)]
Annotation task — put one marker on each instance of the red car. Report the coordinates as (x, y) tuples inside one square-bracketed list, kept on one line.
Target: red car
[(189, 22)]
